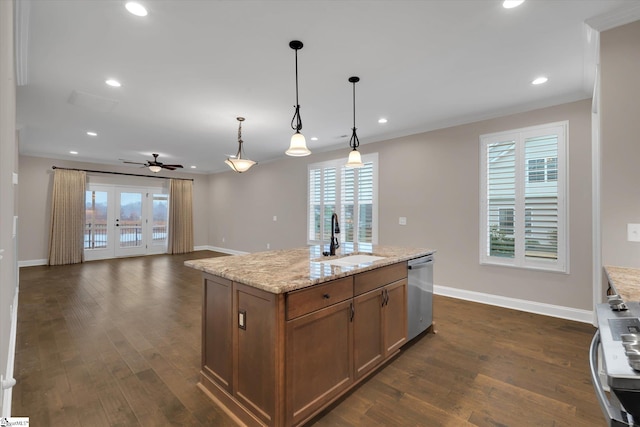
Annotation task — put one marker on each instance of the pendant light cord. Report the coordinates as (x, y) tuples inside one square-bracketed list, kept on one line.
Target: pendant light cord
[(354, 142), (296, 116), (239, 155)]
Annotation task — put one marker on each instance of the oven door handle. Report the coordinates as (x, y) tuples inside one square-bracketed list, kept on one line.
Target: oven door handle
[(615, 416)]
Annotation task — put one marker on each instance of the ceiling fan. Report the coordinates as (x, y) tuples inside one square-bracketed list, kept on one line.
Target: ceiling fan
[(154, 165)]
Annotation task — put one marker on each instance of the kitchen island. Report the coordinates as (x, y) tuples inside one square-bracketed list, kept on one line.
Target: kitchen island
[(624, 281), (286, 333)]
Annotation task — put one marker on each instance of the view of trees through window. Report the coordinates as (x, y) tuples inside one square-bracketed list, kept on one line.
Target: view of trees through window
[(129, 221)]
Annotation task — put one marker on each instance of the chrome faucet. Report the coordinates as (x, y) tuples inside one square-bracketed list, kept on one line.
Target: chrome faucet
[(335, 229)]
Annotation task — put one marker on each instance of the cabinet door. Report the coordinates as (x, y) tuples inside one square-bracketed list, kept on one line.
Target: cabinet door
[(395, 316), (216, 331), (318, 359), (368, 348), (255, 370)]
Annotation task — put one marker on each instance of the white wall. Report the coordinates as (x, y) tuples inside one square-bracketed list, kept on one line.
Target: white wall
[(432, 179), (8, 165)]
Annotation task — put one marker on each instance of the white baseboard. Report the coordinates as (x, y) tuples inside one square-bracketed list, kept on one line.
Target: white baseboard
[(33, 262), (217, 249), (584, 316)]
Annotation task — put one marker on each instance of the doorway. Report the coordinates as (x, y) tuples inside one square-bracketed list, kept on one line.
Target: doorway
[(125, 221)]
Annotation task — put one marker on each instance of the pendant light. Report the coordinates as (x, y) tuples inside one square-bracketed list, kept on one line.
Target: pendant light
[(354, 161), (238, 163), (298, 146)]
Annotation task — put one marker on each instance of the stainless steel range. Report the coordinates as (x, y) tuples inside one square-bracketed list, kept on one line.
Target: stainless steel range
[(618, 339)]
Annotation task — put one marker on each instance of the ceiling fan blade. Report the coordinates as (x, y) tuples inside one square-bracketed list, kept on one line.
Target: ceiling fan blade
[(134, 163), (172, 166)]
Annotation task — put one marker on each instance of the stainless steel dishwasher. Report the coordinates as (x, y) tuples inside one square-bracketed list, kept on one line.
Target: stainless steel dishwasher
[(420, 295)]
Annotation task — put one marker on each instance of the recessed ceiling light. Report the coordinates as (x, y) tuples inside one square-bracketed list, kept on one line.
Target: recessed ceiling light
[(73, 152), (510, 4), (314, 138), (382, 120), (539, 81), (113, 83), (91, 133), (136, 8), (193, 167)]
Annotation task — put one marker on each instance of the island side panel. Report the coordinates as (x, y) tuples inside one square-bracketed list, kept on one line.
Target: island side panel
[(216, 330), (257, 346)]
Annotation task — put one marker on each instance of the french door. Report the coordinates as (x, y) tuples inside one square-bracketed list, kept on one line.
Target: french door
[(125, 221)]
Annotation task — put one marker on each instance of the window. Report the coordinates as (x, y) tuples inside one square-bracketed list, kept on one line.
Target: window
[(541, 170), (351, 193), (523, 198)]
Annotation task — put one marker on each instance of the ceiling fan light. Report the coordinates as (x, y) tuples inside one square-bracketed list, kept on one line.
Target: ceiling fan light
[(155, 168), (354, 160), (298, 146)]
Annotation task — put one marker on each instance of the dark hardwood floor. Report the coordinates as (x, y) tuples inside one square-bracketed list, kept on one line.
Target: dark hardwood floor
[(117, 343)]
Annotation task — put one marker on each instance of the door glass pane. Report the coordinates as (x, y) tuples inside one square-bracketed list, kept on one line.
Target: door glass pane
[(130, 223), (160, 210), (95, 232)]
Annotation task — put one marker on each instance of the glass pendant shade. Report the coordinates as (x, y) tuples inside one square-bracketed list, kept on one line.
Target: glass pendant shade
[(240, 165), (298, 146), (354, 160), (155, 169)]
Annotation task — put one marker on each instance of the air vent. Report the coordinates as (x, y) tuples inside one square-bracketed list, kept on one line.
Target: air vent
[(92, 102)]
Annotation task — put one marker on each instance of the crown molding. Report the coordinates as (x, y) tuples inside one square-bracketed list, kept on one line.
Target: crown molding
[(621, 16)]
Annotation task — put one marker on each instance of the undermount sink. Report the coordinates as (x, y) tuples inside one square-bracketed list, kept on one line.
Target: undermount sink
[(352, 260)]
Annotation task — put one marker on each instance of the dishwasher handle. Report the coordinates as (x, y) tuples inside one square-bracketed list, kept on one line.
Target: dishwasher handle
[(616, 417)]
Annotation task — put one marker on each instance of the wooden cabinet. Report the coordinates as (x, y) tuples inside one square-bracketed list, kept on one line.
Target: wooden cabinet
[(318, 362), (380, 320), (217, 319), (279, 359), (254, 356), (394, 316)]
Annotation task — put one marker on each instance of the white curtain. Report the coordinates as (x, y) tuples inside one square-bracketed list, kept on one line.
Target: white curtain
[(66, 237), (180, 216)]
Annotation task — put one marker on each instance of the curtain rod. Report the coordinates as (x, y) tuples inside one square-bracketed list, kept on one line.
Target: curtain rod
[(121, 173)]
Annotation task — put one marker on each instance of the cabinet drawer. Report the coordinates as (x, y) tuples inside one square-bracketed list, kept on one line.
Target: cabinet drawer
[(319, 296), (369, 280)]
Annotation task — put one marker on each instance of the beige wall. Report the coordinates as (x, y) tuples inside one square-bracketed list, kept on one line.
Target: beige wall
[(620, 142), (432, 179), (36, 179)]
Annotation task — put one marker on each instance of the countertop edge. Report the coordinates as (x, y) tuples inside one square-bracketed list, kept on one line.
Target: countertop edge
[(288, 283)]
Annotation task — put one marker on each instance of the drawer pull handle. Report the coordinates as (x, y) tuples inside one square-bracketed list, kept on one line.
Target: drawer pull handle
[(326, 296)]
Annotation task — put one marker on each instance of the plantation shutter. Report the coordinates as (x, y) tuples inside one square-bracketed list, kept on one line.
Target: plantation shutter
[(351, 193), (541, 197), (523, 204), (501, 189)]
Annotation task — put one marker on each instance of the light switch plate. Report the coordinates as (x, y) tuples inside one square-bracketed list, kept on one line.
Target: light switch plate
[(402, 220), (633, 232), (242, 319)]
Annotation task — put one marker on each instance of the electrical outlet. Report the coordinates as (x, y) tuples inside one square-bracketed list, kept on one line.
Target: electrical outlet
[(633, 232), (223, 239), (275, 218), (268, 246)]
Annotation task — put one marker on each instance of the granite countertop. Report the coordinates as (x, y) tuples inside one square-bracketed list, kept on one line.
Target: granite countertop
[(625, 281), (286, 270)]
